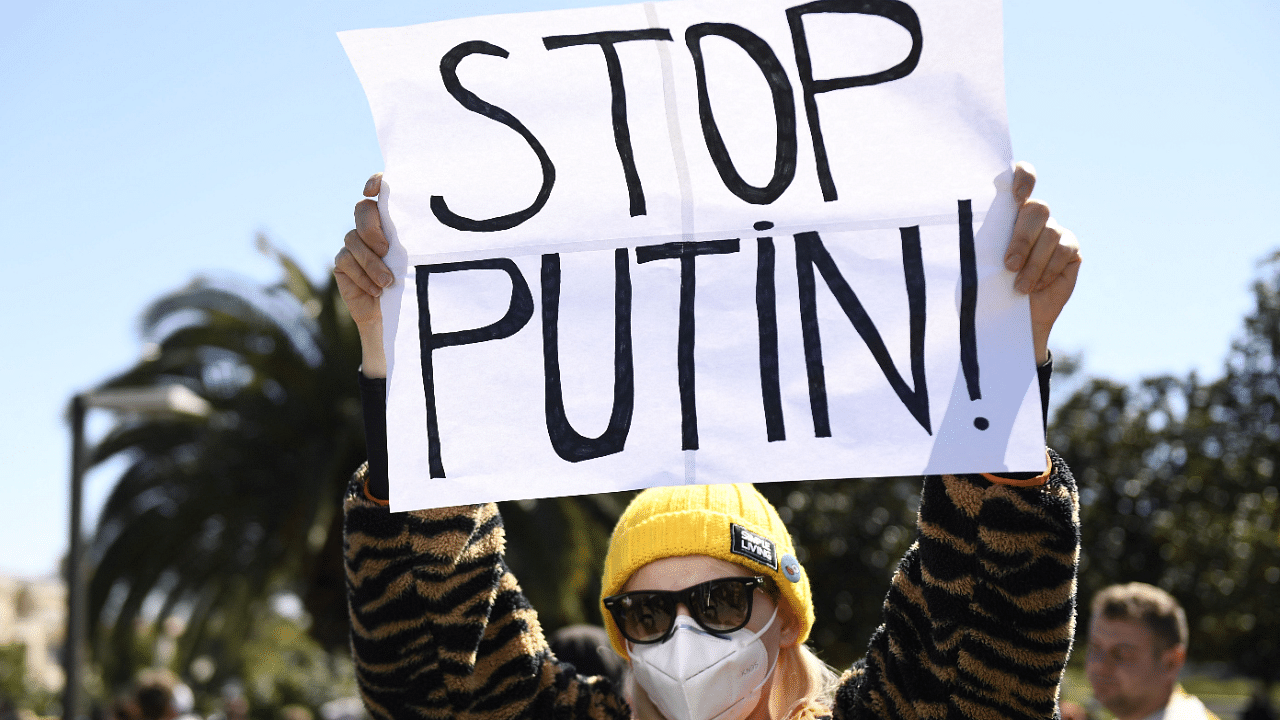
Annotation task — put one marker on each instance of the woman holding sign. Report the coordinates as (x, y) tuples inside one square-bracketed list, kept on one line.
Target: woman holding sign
[(702, 593)]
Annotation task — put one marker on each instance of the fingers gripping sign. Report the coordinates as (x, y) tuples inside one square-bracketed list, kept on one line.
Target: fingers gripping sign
[(1044, 256), (362, 275)]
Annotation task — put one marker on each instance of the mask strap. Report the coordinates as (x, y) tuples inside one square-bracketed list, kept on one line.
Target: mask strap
[(767, 625)]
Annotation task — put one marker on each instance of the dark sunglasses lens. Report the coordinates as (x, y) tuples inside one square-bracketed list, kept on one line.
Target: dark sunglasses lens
[(646, 616), (722, 605)]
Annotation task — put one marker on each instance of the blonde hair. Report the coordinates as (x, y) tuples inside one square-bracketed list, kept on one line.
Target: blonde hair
[(800, 679)]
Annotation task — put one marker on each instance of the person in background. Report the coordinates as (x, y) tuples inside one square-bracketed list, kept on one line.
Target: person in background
[(154, 695), (1137, 647)]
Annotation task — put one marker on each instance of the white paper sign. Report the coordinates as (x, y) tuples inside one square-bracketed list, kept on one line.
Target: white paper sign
[(698, 241)]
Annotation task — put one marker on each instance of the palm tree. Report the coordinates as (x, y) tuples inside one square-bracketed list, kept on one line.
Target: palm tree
[(212, 518)]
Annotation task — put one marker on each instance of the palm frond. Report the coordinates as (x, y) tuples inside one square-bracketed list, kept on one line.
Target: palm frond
[(210, 517)]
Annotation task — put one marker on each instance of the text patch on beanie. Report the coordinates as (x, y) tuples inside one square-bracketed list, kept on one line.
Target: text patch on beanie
[(751, 545)]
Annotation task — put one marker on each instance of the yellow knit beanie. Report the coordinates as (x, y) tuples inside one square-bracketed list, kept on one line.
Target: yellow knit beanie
[(730, 522)]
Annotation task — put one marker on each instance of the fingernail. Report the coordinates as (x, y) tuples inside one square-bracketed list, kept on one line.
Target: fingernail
[(368, 186), (385, 280), (1013, 261)]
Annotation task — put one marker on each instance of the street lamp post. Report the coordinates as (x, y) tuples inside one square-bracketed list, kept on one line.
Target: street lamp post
[(155, 400), (75, 591)]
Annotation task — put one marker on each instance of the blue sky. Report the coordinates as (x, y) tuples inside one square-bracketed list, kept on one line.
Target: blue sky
[(142, 143)]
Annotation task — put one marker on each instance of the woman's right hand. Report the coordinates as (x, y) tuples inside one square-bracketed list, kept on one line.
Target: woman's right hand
[(362, 276)]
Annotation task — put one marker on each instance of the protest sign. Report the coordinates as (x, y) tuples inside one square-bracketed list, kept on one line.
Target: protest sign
[(697, 241)]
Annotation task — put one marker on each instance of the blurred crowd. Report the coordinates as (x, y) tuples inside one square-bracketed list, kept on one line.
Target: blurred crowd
[(161, 695)]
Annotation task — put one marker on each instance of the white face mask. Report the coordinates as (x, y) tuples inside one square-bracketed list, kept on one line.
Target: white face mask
[(695, 675)]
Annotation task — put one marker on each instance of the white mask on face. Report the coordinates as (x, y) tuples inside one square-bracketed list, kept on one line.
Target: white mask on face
[(695, 675)]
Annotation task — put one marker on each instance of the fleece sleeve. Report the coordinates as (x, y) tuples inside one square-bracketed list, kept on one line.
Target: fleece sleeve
[(980, 615)]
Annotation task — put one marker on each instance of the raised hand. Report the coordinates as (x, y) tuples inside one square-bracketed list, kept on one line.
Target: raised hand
[(1045, 256), (362, 276)]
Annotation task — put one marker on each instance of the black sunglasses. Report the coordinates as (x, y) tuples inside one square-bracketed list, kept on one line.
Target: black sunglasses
[(719, 606)]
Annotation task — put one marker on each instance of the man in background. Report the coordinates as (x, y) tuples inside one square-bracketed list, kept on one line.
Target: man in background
[(1137, 647)]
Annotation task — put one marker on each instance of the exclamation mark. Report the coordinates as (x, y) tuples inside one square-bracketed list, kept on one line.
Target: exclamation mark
[(969, 309)]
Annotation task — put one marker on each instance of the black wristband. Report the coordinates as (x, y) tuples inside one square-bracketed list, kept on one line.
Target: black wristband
[(373, 402), (1044, 373)]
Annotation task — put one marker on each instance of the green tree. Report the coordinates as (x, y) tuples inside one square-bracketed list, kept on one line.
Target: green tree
[(16, 687), (1178, 489), (210, 518), (284, 666)]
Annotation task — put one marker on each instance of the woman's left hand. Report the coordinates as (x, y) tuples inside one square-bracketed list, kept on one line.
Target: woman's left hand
[(1045, 256)]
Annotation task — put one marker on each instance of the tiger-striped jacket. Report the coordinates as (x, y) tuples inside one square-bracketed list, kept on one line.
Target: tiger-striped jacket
[(978, 620)]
